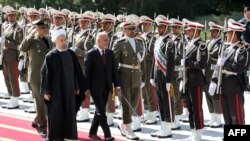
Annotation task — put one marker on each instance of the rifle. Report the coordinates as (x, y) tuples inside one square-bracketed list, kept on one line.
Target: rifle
[(73, 31), (221, 55), (96, 23), (205, 30), (184, 75), (2, 44), (154, 27)]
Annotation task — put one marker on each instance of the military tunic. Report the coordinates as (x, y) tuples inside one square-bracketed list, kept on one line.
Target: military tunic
[(84, 41), (37, 48), (195, 62), (13, 37), (149, 99), (131, 71), (162, 77), (232, 98), (213, 52)]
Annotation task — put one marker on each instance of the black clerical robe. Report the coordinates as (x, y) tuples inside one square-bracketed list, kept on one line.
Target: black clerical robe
[(61, 76)]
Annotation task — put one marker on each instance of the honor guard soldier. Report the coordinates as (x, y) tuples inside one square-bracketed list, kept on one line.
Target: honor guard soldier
[(37, 46), (23, 16), (148, 97), (136, 119), (108, 22), (185, 40), (11, 37), (84, 41), (33, 15), (196, 57), (246, 21), (214, 45), (96, 23), (58, 19), (72, 28), (119, 20), (129, 54), (177, 37), (162, 75), (233, 62), (43, 13)]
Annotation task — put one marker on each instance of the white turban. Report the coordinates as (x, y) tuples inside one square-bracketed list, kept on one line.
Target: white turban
[(57, 33)]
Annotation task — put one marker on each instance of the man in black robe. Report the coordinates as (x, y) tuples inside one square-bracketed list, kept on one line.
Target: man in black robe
[(63, 87)]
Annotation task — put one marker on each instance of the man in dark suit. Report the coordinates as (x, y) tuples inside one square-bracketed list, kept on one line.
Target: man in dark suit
[(101, 73)]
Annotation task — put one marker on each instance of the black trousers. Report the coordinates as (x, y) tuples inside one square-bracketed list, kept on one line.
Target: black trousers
[(232, 101), (194, 104), (163, 102), (100, 118)]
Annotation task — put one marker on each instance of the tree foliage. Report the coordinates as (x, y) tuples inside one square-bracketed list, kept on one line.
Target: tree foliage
[(182, 8)]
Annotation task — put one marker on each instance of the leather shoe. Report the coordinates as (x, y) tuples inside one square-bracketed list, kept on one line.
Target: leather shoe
[(95, 137), (109, 139)]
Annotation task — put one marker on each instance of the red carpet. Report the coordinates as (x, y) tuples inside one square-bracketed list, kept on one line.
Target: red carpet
[(20, 129)]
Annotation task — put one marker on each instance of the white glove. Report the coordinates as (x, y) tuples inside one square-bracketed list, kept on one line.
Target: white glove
[(142, 84), (152, 82), (181, 86), (168, 86), (2, 40), (212, 88), (20, 64), (1, 59), (221, 61), (182, 62)]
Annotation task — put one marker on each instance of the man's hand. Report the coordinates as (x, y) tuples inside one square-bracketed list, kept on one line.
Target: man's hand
[(142, 85), (87, 93), (181, 86), (20, 64), (46, 97), (2, 40), (118, 91), (221, 61), (168, 86), (152, 82)]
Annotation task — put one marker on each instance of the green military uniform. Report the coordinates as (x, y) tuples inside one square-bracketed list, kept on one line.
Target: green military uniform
[(83, 43), (149, 103), (23, 55), (111, 101), (37, 48), (213, 50), (71, 34), (177, 96), (13, 35), (131, 73)]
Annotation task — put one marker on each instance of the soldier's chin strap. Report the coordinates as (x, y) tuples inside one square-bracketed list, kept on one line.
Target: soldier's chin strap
[(110, 28), (89, 25), (218, 34), (231, 41), (195, 31), (149, 29), (166, 29)]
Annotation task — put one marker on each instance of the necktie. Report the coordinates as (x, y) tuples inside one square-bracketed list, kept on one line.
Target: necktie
[(103, 56)]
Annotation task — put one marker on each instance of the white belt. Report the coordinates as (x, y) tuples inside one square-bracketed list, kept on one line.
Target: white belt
[(228, 72), (129, 66)]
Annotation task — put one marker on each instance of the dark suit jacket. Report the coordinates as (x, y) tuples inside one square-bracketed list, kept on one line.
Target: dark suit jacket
[(97, 74)]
